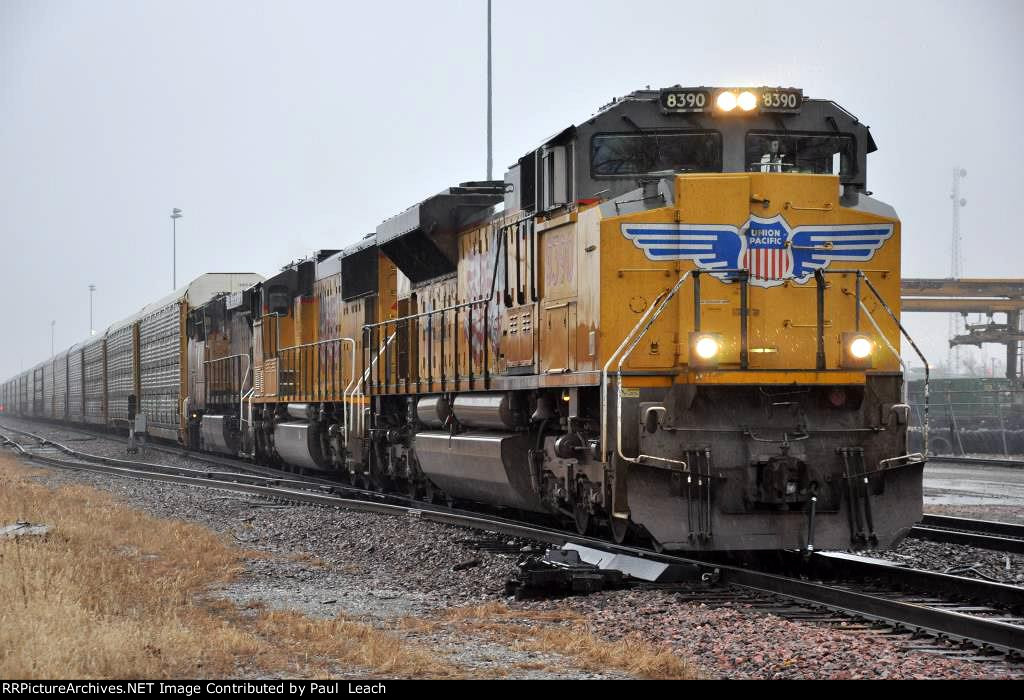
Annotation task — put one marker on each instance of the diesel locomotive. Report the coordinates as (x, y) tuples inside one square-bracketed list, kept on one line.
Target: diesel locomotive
[(678, 319)]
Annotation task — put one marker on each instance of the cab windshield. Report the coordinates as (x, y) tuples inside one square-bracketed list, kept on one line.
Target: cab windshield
[(651, 152), (816, 154)]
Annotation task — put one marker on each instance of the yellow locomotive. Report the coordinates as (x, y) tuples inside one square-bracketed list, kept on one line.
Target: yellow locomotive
[(678, 319)]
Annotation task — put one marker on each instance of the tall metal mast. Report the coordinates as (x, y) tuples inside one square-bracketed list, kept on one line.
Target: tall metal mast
[(490, 113)]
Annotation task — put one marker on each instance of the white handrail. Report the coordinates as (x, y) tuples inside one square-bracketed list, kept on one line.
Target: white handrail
[(640, 458), (344, 393), (358, 392), (906, 375), (604, 375)]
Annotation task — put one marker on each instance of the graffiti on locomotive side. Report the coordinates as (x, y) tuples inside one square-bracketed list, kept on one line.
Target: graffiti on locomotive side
[(480, 270), (560, 262)]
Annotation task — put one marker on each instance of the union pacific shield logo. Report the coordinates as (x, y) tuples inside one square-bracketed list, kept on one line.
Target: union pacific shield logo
[(766, 255), (768, 248)]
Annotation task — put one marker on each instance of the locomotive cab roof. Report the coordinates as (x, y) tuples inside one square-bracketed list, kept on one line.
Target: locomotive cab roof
[(649, 134)]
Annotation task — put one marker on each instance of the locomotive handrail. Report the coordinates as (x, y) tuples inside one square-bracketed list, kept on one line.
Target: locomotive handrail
[(392, 321), (241, 386), (652, 315), (359, 390), (641, 458), (344, 393), (315, 388), (632, 339), (927, 374), (348, 392), (370, 336), (611, 359)]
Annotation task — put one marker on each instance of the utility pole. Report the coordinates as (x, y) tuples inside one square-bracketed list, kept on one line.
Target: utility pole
[(92, 328), (956, 264), (175, 215), (490, 104), (53, 325)]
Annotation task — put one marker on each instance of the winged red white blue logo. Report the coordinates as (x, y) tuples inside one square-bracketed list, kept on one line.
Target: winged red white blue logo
[(768, 248)]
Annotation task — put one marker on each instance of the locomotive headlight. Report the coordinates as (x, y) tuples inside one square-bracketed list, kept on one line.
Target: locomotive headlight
[(747, 100), (861, 348), (857, 350), (705, 349), (726, 101)]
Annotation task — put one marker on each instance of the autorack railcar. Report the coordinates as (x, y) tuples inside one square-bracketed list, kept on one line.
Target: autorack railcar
[(141, 360)]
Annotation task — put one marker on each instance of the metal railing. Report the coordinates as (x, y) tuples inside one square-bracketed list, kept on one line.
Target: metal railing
[(647, 320), (631, 340), (927, 374), (224, 379), (461, 326), (313, 371)]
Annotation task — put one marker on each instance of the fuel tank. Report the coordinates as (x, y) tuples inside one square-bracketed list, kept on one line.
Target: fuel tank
[(298, 444), (214, 436), (485, 467)]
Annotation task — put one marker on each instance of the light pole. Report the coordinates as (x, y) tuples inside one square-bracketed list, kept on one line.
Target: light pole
[(53, 324), (92, 328), (175, 215), (490, 118)]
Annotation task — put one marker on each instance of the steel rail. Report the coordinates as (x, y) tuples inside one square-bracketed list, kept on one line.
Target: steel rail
[(984, 461), (985, 534), (989, 527), (244, 468), (937, 621), (832, 565)]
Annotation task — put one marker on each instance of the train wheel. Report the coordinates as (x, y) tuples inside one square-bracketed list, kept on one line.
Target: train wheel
[(620, 529)]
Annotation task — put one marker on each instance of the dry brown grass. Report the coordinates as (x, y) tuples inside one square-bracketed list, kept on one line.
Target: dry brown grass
[(113, 592), (309, 560), (565, 633), (354, 644)]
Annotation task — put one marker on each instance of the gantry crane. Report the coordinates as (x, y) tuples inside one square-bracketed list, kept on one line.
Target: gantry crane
[(967, 296)]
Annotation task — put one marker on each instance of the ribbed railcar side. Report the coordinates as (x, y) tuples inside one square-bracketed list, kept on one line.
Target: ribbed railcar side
[(24, 394), (38, 405), (94, 369), (120, 374), (48, 388), (76, 388), (60, 386), (160, 370)]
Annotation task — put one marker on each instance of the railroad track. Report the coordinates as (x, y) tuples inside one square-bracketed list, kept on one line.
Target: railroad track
[(980, 461), (192, 455), (237, 465), (985, 534), (955, 613)]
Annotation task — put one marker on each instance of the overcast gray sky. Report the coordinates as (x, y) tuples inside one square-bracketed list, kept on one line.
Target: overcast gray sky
[(284, 127)]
